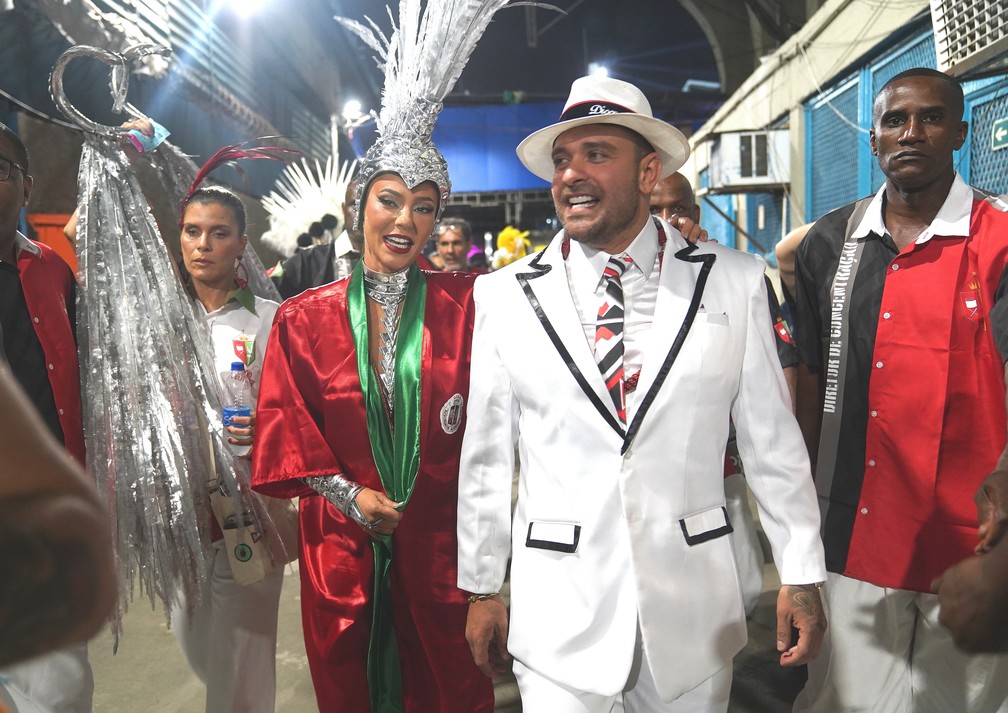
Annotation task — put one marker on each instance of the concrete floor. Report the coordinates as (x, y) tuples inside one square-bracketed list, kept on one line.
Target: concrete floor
[(150, 673)]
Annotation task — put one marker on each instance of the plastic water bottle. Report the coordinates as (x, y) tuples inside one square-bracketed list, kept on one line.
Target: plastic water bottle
[(238, 400)]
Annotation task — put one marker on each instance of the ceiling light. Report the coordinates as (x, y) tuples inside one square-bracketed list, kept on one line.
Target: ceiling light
[(245, 8), (597, 69), (352, 111)]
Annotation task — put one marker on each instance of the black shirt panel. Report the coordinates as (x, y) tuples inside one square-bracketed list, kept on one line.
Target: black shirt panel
[(23, 350), (817, 262)]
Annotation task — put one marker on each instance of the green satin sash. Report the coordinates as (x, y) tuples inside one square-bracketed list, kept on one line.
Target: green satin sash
[(396, 453)]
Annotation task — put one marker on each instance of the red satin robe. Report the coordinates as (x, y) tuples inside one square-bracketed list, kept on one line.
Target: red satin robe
[(311, 421)]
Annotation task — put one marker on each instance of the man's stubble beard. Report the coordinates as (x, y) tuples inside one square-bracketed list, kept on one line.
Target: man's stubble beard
[(601, 232)]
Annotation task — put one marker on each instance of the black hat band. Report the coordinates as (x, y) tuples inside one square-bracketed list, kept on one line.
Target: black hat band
[(595, 108)]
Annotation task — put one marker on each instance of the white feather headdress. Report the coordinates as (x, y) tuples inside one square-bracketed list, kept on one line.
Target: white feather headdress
[(422, 60), (304, 193)]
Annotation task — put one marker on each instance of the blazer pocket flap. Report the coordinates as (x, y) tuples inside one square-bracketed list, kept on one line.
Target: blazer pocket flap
[(706, 525), (556, 536)]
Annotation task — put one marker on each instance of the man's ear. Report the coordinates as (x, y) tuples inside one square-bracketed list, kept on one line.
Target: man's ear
[(961, 138), (28, 182), (650, 171)]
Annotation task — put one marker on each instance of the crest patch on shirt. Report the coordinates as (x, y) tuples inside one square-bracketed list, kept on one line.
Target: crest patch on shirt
[(451, 414), (780, 326), (244, 349), (970, 301)]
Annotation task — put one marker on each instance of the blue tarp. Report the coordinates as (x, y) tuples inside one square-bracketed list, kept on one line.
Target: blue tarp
[(479, 144)]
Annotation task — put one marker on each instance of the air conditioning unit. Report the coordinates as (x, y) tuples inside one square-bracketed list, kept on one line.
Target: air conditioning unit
[(747, 159), (968, 33)]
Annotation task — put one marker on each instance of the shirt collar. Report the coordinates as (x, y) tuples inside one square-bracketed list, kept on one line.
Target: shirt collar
[(953, 217), (242, 297), (342, 245), (23, 243), (643, 250)]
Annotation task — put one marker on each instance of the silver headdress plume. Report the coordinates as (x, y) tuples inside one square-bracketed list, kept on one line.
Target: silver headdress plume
[(422, 60)]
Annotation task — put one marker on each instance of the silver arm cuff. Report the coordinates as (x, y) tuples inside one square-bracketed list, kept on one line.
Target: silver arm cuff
[(340, 492)]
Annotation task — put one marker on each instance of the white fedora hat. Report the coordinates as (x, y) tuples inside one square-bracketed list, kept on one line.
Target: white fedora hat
[(603, 100)]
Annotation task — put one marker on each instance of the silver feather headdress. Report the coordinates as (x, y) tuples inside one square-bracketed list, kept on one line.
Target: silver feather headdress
[(422, 60)]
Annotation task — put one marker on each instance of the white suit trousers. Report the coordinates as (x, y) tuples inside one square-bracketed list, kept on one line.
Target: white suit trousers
[(230, 639), (886, 652), (541, 695), (59, 682)]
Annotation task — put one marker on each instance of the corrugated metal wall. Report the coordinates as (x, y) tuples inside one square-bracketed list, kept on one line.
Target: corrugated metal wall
[(840, 167)]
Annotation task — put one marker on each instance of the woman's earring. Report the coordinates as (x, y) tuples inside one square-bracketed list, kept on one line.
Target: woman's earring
[(241, 273)]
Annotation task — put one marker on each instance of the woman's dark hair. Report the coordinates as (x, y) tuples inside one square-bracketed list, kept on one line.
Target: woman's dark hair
[(218, 195)]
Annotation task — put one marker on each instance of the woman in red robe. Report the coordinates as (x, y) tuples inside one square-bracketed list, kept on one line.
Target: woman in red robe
[(361, 413), (362, 405)]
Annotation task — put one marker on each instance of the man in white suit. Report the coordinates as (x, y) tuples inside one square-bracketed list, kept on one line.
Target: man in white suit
[(624, 590)]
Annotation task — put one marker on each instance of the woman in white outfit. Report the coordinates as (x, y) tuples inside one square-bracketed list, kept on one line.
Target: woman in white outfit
[(229, 637)]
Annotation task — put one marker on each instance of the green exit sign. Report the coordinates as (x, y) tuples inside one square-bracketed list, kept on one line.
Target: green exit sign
[(999, 134)]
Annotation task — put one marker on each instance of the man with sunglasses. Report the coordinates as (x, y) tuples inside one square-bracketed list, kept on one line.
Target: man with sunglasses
[(37, 315)]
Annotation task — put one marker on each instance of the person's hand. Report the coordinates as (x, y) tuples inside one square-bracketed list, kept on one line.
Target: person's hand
[(379, 510), (973, 596), (992, 510), (142, 125), (799, 606), (70, 229), (242, 432), (487, 632), (690, 230)]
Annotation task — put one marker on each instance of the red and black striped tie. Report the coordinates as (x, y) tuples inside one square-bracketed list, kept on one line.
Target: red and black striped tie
[(609, 333)]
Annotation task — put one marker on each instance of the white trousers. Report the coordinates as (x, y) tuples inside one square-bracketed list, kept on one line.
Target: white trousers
[(59, 682), (542, 695), (230, 639), (886, 652)]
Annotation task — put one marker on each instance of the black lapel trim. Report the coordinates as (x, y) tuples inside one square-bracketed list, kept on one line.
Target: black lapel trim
[(708, 262), (523, 279)]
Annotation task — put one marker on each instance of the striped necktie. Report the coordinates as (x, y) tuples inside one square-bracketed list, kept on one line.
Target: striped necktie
[(609, 333)]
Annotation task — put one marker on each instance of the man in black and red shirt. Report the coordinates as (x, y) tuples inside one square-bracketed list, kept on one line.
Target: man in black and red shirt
[(901, 318)]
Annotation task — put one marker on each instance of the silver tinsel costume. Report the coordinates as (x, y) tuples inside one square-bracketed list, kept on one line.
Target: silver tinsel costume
[(148, 384)]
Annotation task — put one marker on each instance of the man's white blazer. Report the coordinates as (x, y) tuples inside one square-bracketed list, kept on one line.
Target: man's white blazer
[(614, 525)]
